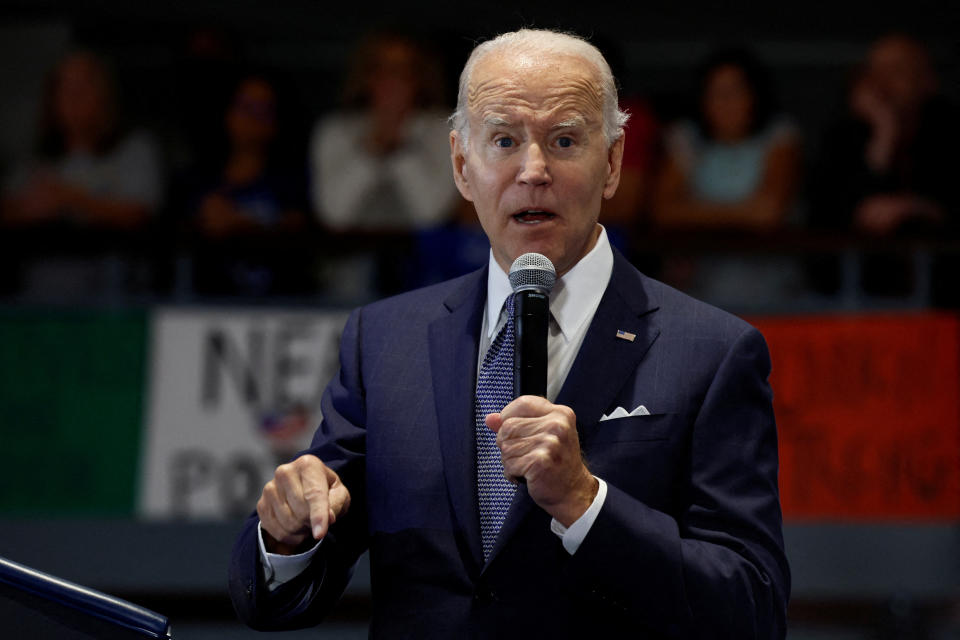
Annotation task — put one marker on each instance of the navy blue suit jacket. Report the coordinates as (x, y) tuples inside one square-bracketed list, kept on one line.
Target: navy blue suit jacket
[(688, 543)]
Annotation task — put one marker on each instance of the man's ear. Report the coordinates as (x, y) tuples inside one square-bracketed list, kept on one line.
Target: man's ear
[(614, 164), (459, 160)]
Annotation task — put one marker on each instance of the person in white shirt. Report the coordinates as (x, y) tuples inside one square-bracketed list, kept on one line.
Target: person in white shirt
[(374, 166), (90, 172)]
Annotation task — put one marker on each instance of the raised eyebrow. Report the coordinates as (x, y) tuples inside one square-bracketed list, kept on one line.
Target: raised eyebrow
[(495, 121), (569, 124)]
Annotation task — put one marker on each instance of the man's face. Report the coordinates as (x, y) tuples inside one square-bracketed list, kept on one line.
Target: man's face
[(536, 165)]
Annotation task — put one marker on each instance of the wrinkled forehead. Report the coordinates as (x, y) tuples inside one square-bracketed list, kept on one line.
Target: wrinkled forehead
[(539, 86)]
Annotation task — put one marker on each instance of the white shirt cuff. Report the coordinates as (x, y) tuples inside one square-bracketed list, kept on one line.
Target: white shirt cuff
[(573, 535), (279, 569)]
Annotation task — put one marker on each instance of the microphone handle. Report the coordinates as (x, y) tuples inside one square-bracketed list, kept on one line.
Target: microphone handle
[(531, 317)]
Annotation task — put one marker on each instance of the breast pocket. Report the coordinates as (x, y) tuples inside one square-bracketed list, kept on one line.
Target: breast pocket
[(640, 455), (633, 429)]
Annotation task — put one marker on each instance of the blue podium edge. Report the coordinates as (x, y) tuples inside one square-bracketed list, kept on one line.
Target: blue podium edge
[(87, 601)]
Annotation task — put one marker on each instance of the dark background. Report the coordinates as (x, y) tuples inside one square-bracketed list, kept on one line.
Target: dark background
[(896, 580)]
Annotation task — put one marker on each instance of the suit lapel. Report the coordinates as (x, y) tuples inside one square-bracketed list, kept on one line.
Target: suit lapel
[(605, 361), (601, 367), (454, 340)]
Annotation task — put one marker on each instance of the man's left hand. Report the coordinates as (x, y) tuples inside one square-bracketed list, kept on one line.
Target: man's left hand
[(538, 442)]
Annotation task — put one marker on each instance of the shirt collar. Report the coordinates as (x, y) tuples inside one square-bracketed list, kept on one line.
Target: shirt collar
[(574, 298)]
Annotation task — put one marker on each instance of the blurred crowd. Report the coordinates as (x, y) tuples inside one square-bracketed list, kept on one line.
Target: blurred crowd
[(242, 195)]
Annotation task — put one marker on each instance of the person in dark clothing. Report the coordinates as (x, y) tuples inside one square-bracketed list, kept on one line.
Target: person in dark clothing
[(886, 166), (249, 193)]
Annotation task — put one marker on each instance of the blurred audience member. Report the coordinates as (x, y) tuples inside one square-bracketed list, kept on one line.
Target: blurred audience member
[(736, 166), (889, 163), (91, 171), (887, 167), (250, 191), (382, 163)]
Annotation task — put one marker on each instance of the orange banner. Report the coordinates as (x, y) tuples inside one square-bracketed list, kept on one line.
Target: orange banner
[(868, 415)]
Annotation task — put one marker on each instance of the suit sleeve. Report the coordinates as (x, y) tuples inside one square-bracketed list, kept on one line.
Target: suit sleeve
[(716, 568), (341, 443)]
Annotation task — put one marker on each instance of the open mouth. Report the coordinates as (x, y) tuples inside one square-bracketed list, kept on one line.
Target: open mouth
[(533, 216)]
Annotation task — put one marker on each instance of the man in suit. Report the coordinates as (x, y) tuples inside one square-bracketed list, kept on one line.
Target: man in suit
[(648, 505)]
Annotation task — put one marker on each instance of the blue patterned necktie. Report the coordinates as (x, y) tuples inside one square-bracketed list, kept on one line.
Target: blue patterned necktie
[(494, 392)]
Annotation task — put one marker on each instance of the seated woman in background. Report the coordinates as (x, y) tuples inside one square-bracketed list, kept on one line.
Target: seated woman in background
[(253, 189), (90, 171), (90, 174), (736, 167), (248, 192)]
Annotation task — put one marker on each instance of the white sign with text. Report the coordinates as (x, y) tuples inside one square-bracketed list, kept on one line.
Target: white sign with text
[(232, 393)]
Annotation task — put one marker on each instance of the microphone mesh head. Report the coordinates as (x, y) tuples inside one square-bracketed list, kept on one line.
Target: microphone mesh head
[(532, 271)]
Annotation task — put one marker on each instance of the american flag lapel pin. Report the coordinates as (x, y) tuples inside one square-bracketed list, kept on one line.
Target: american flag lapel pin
[(626, 335)]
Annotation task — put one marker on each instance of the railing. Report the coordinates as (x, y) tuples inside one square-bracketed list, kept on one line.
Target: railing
[(162, 266)]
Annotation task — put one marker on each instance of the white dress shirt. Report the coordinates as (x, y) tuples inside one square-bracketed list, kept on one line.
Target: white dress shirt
[(573, 303)]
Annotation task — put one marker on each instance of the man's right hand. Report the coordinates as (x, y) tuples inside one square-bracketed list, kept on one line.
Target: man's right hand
[(304, 498)]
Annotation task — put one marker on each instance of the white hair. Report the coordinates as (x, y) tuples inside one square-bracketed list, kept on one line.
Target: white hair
[(540, 41)]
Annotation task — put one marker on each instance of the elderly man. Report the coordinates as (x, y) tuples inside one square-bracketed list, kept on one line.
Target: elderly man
[(644, 501)]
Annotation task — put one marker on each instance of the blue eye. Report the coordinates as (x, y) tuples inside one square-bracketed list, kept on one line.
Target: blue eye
[(565, 142), (504, 143)]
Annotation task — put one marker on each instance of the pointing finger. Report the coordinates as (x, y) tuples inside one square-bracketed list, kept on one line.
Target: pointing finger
[(315, 491)]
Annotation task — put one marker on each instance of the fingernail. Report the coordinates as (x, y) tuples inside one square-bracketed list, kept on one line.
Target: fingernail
[(317, 532)]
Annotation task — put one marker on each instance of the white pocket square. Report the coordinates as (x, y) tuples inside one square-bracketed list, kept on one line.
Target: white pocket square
[(620, 412)]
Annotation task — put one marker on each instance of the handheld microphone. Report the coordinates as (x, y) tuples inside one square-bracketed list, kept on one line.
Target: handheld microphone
[(532, 276)]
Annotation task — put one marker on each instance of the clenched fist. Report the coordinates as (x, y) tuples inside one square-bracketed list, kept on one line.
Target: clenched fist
[(538, 442), (304, 498)]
